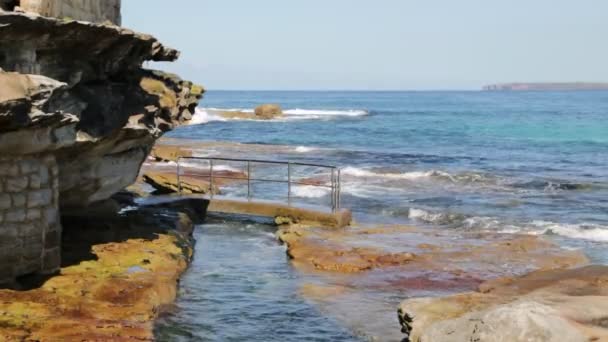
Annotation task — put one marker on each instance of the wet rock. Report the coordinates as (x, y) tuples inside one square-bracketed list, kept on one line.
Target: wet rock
[(471, 258), (268, 111), (323, 251)]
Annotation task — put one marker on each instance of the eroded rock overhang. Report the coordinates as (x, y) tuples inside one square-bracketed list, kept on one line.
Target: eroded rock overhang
[(76, 105)]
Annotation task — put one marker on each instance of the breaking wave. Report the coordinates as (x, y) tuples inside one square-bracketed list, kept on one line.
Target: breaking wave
[(554, 185), (202, 116), (309, 191), (206, 115), (465, 177), (582, 231), (321, 112)]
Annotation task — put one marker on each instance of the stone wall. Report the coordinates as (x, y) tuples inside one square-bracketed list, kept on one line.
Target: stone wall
[(30, 229), (87, 10)]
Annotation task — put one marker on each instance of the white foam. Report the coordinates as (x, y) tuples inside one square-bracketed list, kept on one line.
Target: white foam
[(584, 231), (205, 115), (413, 175), (203, 165), (305, 149), (422, 215), (202, 116), (321, 112), (309, 191)]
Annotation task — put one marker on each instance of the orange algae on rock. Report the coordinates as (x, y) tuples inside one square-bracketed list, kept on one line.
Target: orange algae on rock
[(116, 297)]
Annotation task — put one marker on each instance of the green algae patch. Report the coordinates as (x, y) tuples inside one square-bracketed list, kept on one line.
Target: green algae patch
[(114, 298), (167, 97), (197, 90)]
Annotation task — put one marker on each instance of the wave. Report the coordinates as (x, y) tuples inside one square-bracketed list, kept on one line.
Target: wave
[(305, 149), (580, 231), (202, 116), (583, 231), (465, 177), (359, 172), (321, 112), (309, 191), (204, 166), (209, 114), (435, 218), (554, 185)]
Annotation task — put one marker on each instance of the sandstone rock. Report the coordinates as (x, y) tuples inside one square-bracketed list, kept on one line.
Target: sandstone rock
[(78, 116), (541, 306), (341, 251), (75, 111), (169, 152), (167, 183), (268, 111)]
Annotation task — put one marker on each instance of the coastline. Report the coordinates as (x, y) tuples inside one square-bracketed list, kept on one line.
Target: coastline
[(350, 273)]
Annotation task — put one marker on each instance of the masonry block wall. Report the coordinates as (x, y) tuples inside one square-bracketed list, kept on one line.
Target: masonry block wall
[(30, 229), (87, 10)]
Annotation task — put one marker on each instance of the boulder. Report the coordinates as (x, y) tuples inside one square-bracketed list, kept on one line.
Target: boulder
[(268, 111), (169, 153), (556, 305)]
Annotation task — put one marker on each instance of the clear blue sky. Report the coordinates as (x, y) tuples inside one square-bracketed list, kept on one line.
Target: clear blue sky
[(378, 44)]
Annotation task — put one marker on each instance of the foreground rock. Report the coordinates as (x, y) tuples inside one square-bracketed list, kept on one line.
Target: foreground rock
[(120, 271), (555, 305), (363, 271)]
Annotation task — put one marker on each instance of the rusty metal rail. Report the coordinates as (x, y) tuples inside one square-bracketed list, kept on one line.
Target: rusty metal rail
[(248, 164)]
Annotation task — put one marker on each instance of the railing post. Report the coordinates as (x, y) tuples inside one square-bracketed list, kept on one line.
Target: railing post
[(211, 178), (249, 179), (289, 184), (339, 190), (179, 180), (333, 189)]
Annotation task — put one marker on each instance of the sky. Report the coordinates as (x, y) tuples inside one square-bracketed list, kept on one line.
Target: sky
[(377, 44)]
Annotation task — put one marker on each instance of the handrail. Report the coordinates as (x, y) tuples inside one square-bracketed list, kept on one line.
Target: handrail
[(334, 176)]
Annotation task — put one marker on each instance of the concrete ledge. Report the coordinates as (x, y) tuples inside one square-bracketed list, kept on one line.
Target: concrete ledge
[(282, 213)]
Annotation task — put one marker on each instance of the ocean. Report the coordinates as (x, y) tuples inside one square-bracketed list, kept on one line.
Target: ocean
[(508, 162)]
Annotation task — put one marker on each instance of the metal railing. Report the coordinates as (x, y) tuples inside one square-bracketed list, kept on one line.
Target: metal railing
[(248, 164)]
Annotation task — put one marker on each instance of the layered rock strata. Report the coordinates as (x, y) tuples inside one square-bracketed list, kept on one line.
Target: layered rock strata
[(78, 117)]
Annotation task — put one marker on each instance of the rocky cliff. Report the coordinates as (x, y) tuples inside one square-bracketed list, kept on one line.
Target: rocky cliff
[(78, 116)]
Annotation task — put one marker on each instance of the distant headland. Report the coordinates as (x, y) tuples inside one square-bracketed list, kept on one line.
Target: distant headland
[(546, 86)]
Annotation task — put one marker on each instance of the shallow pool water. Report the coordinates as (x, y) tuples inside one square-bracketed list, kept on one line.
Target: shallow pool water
[(241, 287)]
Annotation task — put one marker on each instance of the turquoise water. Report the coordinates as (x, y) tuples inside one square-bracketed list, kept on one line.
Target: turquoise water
[(529, 162)]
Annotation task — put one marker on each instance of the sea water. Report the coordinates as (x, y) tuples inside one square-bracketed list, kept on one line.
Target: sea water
[(510, 162)]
